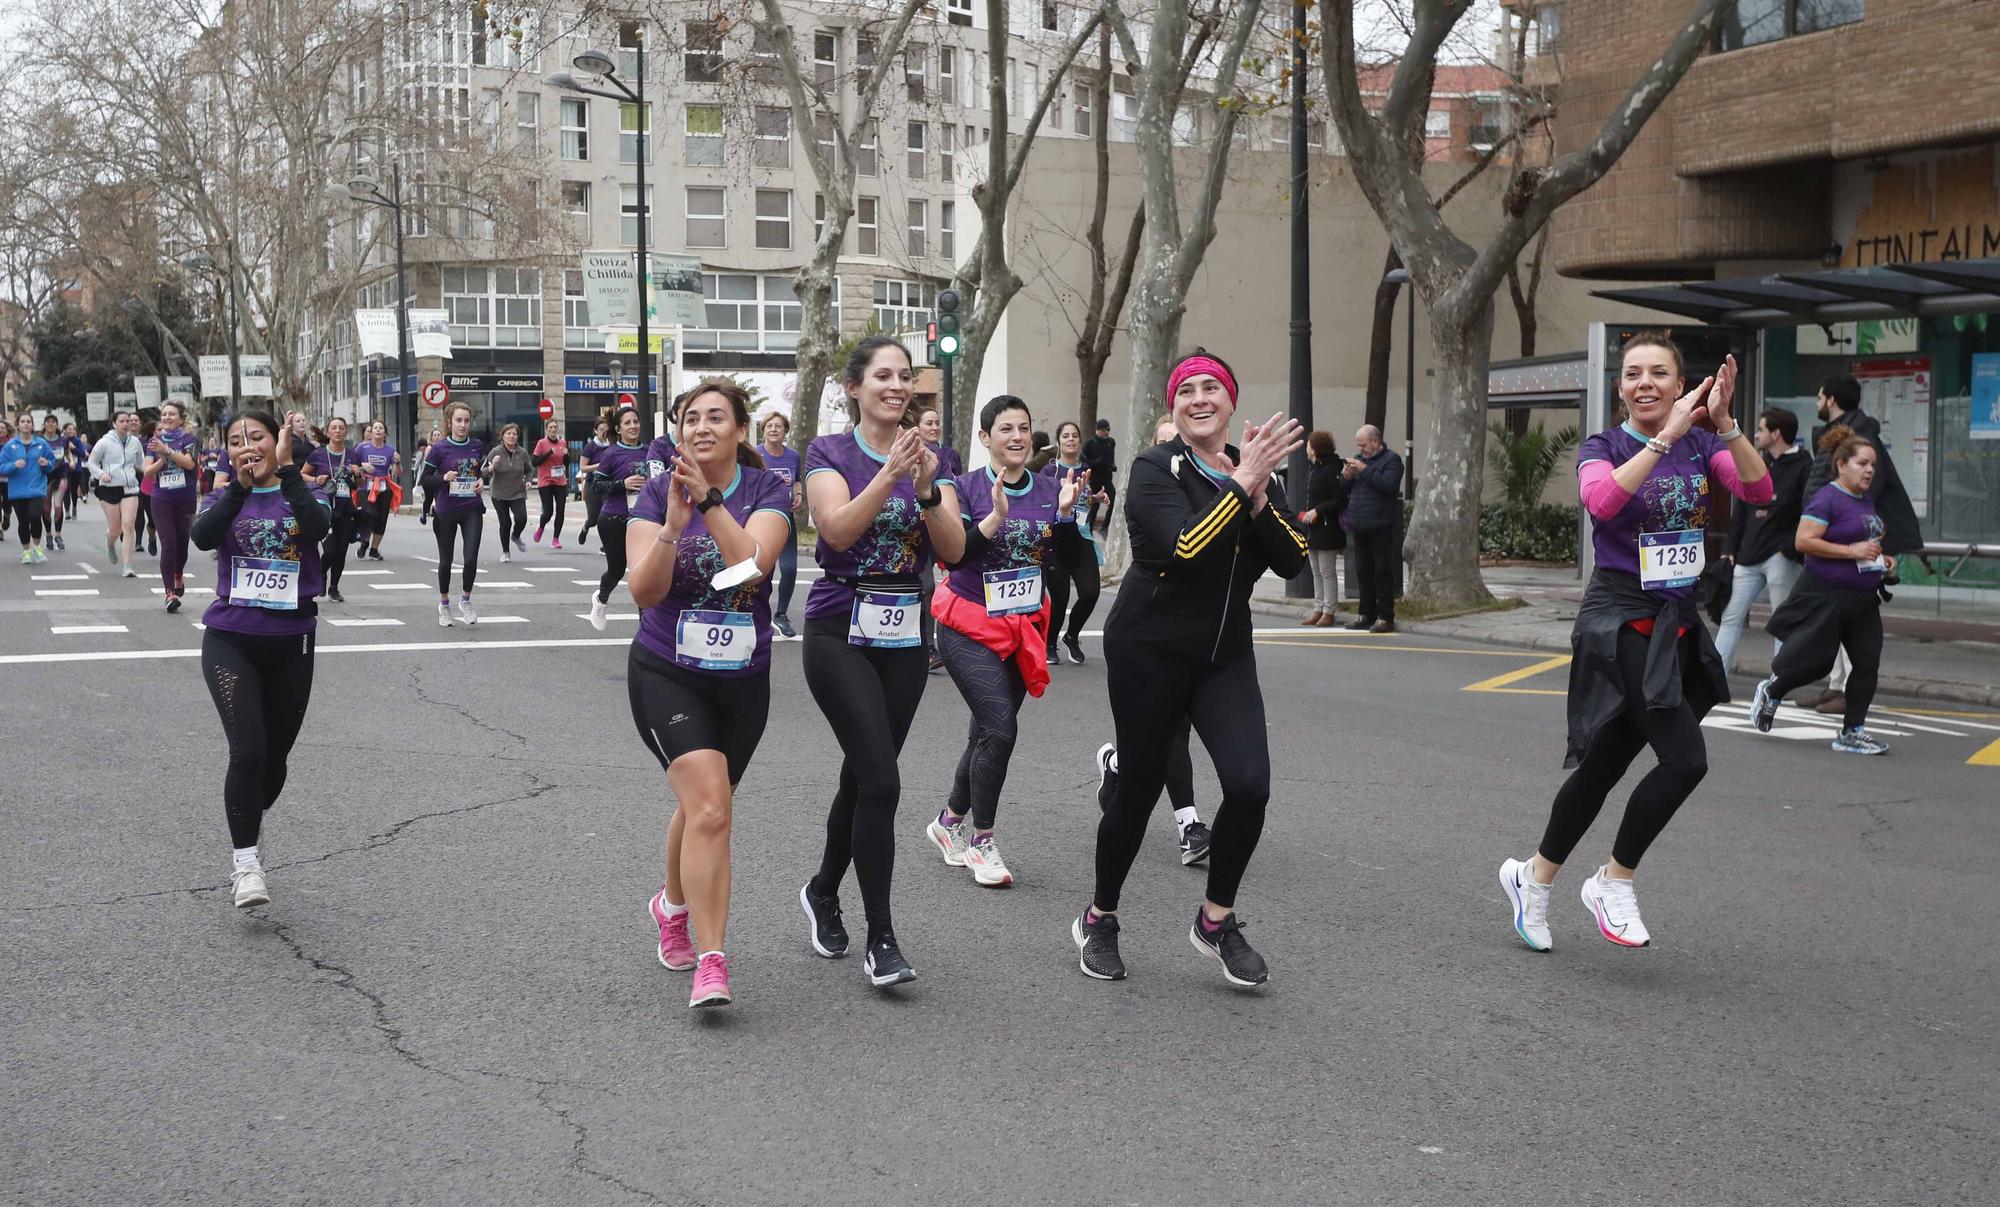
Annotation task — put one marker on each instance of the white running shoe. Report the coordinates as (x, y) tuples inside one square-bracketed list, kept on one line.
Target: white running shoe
[(598, 619), (444, 615), (504, 555), (1616, 908), (949, 840), (247, 887), (983, 860), (1530, 902), (467, 612)]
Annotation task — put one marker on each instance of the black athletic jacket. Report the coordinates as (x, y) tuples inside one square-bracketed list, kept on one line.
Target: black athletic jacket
[(1196, 552)]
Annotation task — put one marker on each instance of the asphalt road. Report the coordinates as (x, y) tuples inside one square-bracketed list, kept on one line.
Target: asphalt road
[(453, 997)]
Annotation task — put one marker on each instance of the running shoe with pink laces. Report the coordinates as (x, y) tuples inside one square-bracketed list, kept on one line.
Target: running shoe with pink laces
[(711, 982), (676, 945)]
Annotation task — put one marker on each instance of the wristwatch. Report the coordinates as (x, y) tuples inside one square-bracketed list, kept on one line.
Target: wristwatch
[(712, 499)]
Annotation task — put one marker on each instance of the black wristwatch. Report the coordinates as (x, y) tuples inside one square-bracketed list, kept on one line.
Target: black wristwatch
[(936, 497), (712, 499)]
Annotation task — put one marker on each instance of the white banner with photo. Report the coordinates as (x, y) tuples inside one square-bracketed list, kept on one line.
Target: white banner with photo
[(181, 389), (125, 400), (375, 332), (97, 405), (256, 376), (676, 299), (430, 333), (214, 372), (148, 391)]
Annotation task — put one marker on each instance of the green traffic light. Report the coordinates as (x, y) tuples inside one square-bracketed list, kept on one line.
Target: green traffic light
[(947, 345)]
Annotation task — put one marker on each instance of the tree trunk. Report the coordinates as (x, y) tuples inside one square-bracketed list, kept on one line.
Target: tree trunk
[(1443, 543), (1381, 344), (818, 337)]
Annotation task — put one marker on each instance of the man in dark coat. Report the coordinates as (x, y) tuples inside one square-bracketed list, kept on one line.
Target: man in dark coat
[(1374, 510)]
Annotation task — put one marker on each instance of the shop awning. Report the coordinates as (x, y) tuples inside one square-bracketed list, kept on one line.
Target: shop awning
[(1791, 299)]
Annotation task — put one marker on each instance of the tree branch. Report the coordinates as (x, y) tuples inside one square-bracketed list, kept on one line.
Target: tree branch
[(1201, 230)]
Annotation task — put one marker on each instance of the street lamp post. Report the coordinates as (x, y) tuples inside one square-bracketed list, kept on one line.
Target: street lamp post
[(368, 191), (1400, 277), (601, 64), (204, 263), (1300, 586)]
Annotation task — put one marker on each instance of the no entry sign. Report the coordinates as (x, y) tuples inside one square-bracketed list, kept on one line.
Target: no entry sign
[(547, 409), (435, 393)]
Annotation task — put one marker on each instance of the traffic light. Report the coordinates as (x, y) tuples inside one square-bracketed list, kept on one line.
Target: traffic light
[(947, 323), (930, 342)]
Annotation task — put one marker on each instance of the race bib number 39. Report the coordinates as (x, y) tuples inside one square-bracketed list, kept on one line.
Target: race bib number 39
[(1013, 592), (715, 641), (262, 582), (1668, 560), (886, 619)]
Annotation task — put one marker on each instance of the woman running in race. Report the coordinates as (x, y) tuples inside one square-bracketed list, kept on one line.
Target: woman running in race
[(258, 636), (115, 464), (79, 467), (452, 474), (173, 467), (57, 500), (1074, 564), (508, 468), (992, 624), (1645, 670), (334, 470), (1206, 519), (551, 457), (1837, 604), (424, 448), (783, 461), (379, 466), (699, 671), (880, 515), (586, 470), (26, 464), (619, 474)]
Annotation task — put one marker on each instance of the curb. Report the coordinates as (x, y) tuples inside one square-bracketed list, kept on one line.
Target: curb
[(1978, 695)]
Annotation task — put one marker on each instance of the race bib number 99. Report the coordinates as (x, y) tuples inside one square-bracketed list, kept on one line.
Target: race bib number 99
[(1013, 592), (885, 619), (262, 582), (715, 641), (1668, 560)]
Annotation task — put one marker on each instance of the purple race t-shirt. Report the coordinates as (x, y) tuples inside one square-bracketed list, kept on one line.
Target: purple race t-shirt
[(1024, 536), (894, 546), (264, 528), (697, 559), (784, 464), (617, 463), (659, 456), (181, 441), (325, 463), (1849, 521), (950, 466), (1673, 498), (455, 460), (375, 459)]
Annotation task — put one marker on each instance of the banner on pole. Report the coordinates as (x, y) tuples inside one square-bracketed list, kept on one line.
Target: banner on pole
[(97, 405), (430, 333), (256, 376), (148, 391), (675, 297), (181, 389), (214, 372), (375, 332)]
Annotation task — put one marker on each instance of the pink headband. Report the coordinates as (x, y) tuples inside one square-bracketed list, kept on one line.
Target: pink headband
[(1194, 366)]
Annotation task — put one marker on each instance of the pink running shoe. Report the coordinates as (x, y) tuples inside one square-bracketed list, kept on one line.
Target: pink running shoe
[(538, 536), (558, 542), (676, 945), (711, 982)]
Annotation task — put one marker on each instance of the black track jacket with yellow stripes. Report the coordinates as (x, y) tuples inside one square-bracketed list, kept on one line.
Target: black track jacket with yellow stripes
[(1196, 552)]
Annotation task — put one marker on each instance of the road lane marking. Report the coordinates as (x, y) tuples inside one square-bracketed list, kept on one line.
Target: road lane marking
[(389, 647), (66, 591), (63, 630), (610, 616), (1989, 757), (361, 573), (360, 621), (400, 586), (503, 620), (60, 578), (187, 591), (1505, 683), (1833, 725), (491, 584), (588, 582), (550, 569), (1359, 642), (1956, 718)]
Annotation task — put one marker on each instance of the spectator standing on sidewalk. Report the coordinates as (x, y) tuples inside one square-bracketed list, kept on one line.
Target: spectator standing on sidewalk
[(1840, 407), (1100, 456), (1374, 509), (1326, 496), (1760, 541)]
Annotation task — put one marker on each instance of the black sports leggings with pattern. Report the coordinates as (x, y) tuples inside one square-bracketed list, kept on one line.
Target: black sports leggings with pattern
[(260, 685)]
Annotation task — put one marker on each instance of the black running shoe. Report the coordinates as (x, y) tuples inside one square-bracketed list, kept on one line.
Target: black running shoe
[(783, 624), (1241, 965), (173, 604), (375, 555), (884, 964), (1098, 941), (1107, 776), (1075, 649), (1054, 656), (1194, 844), (333, 593), (827, 936)]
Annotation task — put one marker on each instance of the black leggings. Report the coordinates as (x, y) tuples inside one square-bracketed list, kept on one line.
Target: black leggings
[(1180, 771), (1806, 657), (513, 521), (993, 691), (473, 524), (260, 686), (593, 504), (554, 499), (1082, 570), (333, 552), (679, 710), (375, 514), (870, 697), (430, 503), (54, 505), (1675, 736), (144, 521), (1152, 694), (29, 513), (611, 531)]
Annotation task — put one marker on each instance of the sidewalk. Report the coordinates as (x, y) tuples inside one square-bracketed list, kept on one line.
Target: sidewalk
[(1954, 661)]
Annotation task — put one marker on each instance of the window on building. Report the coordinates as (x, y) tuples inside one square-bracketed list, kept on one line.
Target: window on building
[(489, 114), (864, 149), (468, 306), (864, 225), (706, 221), (631, 41), (819, 216), (919, 235), (1082, 99), (903, 305), (575, 128), (576, 197), (527, 119), (916, 70), (1437, 123), (823, 135), (947, 161), (773, 148), (1549, 27), (1031, 90), (1753, 22), (958, 12), (517, 307), (702, 141), (826, 57), (948, 74), (919, 138), (764, 65), (1489, 123), (743, 312), (1124, 111), (1051, 15), (701, 56), (864, 52), (628, 213), (1013, 86), (635, 132), (774, 219), (948, 229), (578, 334)]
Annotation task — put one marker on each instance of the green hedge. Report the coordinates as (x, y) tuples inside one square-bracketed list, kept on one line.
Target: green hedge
[(1544, 532)]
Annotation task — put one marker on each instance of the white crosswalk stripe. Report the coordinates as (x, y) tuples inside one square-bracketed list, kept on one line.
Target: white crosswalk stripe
[(400, 586), (67, 591), (62, 630), (60, 578), (352, 622)]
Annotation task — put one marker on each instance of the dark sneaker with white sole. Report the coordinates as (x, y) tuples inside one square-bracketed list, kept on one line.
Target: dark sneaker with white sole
[(1194, 844), (1107, 776), (1764, 705), (1098, 941), (1241, 965), (826, 933), (884, 964)]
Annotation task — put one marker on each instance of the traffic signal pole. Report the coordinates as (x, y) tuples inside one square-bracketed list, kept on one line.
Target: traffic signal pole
[(945, 413)]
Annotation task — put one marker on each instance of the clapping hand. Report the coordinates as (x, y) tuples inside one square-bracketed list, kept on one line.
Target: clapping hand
[(1722, 392), (999, 498), (1691, 408), (1074, 483), (1265, 446)]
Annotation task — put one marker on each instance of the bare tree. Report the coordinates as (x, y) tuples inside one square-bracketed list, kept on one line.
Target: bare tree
[(1455, 280)]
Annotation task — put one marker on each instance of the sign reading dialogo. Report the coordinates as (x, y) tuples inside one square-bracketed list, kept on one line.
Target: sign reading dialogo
[(673, 296), (147, 389), (214, 371)]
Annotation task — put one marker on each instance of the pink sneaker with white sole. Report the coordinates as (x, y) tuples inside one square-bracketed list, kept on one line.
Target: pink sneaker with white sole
[(676, 945), (711, 982)]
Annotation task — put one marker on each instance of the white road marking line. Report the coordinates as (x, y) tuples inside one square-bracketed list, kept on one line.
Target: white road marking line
[(1899, 714), (1805, 733), (401, 586), (511, 584), (551, 569), (362, 573), (61, 578), (503, 620), (89, 569), (66, 591), (62, 630), (1833, 725), (189, 591), (588, 582), (361, 621), (610, 616), (388, 647)]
